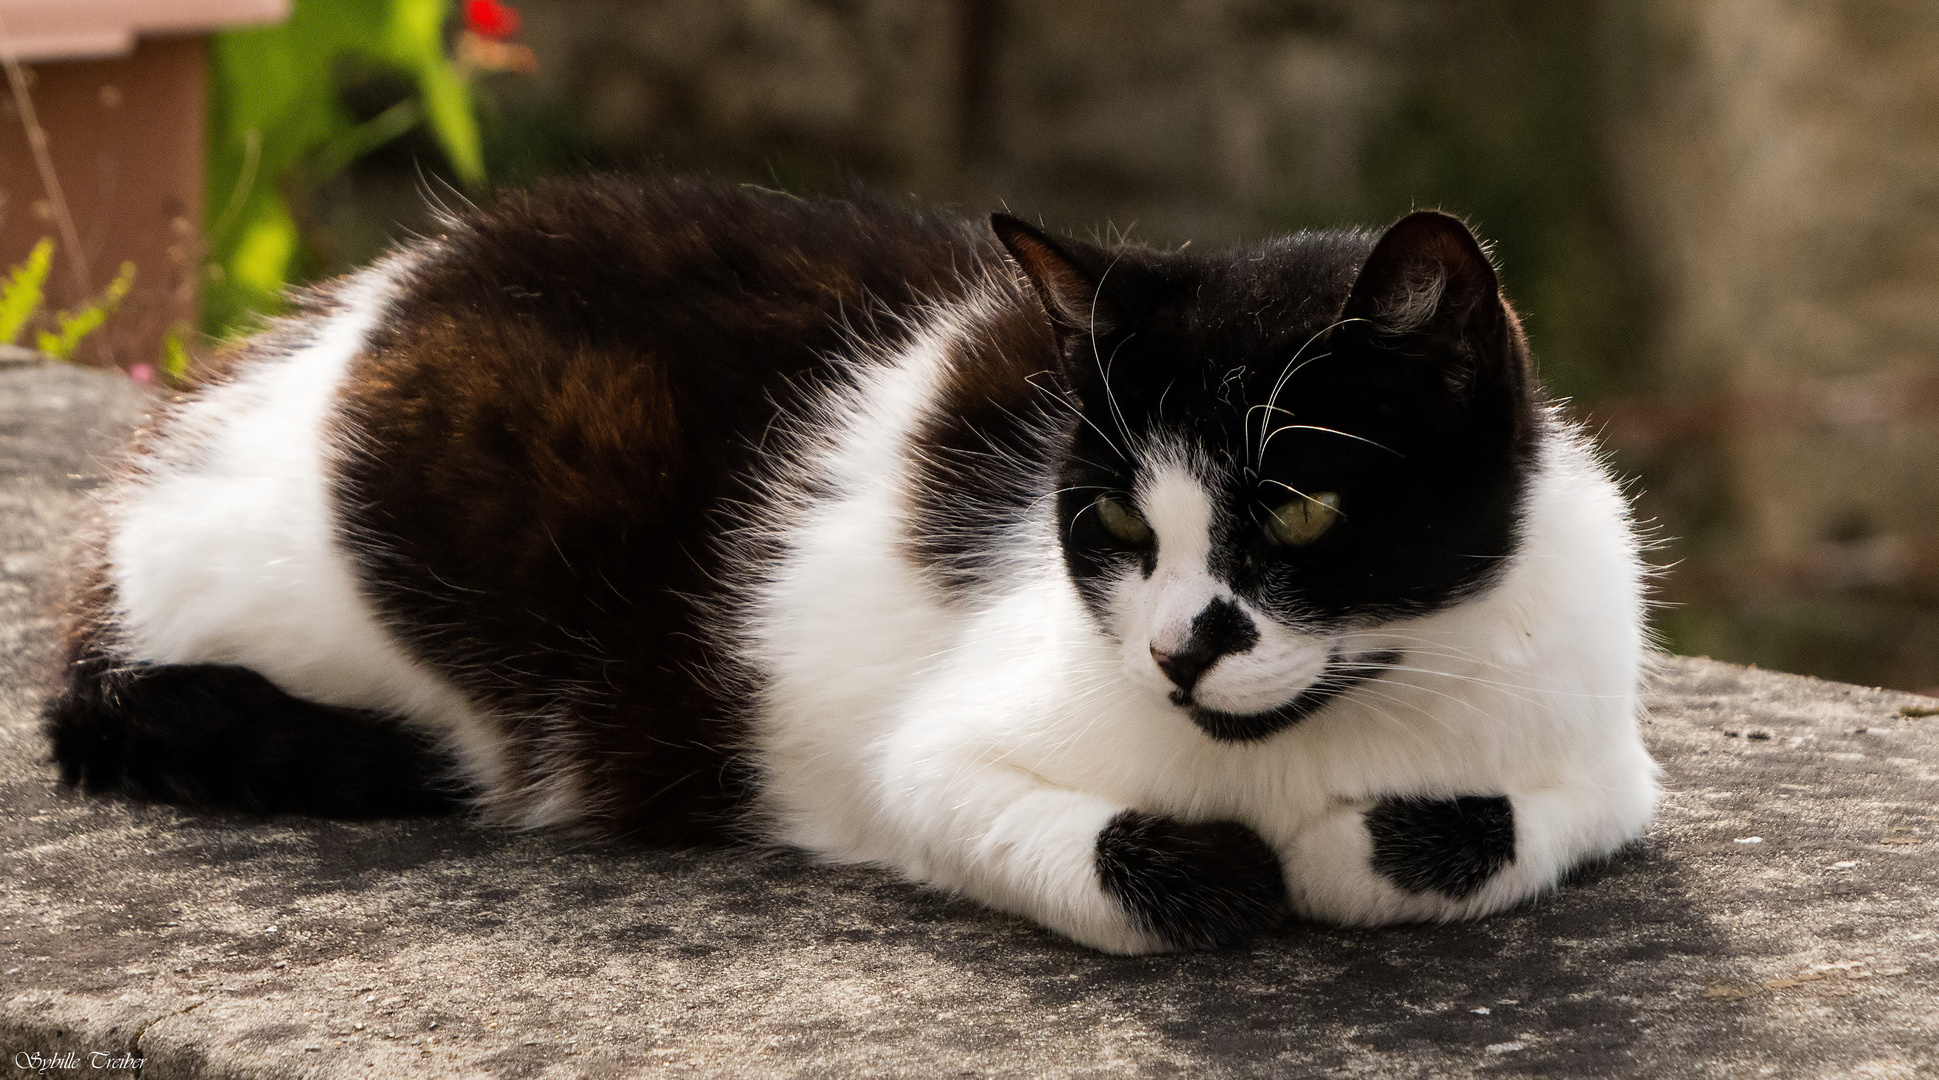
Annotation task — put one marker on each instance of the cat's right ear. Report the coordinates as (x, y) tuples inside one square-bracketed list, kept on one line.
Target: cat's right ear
[(1429, 291), (1064, 274)]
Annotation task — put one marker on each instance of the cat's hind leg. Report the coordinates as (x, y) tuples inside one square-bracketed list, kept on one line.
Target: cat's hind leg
[(220, 735), (224, 651)]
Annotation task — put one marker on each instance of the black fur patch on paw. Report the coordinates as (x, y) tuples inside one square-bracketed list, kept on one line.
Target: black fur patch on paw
[(1197, 885), (1449, 846)]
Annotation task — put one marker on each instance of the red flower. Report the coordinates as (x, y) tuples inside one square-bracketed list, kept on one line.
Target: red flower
[(491, 19)]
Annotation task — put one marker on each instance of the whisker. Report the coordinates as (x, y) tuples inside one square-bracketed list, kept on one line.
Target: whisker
[(1331, 431), (1079, 413), (1294, 366), (1103, 369), (1048, 495)]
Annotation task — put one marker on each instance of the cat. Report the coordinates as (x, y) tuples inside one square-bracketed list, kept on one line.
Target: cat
[(1154, 596)]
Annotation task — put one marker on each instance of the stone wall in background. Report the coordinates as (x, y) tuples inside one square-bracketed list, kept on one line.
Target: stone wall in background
[(1168, 121), (1783, 174), (1718, 216)]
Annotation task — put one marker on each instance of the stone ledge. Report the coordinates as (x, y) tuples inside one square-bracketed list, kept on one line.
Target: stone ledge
[(215, 946)]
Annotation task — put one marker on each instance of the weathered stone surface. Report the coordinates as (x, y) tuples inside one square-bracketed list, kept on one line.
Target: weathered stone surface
[(217, 946)]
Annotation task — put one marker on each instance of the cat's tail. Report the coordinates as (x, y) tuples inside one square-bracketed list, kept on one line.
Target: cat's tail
[(217, 735)]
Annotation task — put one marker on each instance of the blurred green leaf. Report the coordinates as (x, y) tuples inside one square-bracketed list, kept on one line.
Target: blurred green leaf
[(416, 42), (175, 356), (273, 110), (61, 343), (20, 296)]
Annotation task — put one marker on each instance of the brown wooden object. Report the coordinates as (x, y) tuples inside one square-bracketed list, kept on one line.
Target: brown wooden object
[(126, 138)]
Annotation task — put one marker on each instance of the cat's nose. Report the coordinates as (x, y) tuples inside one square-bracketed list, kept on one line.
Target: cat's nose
[(1219, 630), (1185, 666)]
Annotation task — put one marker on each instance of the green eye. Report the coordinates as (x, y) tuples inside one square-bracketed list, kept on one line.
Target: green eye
[(1304, 519), (1122, 521)]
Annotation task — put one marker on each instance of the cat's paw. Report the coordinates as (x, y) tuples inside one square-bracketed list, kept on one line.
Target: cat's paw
[(1446, 846), (1194, 885)]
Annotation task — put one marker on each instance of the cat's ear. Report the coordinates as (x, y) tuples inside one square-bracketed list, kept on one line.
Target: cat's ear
[(1064, 274), (1428, 291)]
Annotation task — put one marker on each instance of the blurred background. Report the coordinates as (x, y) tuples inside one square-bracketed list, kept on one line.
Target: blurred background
[(1720, 218)]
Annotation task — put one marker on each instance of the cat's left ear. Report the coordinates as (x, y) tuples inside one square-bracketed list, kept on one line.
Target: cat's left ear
[(1428, 291), (1066, 275)]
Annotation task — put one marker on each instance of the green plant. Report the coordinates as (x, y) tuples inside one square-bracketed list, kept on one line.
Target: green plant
[(20, 300), (175, 355), (276, 124), (21, 294), (61, 342)]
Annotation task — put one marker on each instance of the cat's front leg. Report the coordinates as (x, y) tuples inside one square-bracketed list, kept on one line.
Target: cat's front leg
[(1191, 885), (1107, 876), (1403, 858)]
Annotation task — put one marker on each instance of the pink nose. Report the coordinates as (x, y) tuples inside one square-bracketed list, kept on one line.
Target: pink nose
[(1221, 629), (1182, 668)]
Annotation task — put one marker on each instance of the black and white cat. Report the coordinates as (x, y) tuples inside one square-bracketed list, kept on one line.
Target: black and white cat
[(1149, 595)]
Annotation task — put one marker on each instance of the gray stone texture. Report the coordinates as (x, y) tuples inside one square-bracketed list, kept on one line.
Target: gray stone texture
[(214, 945)]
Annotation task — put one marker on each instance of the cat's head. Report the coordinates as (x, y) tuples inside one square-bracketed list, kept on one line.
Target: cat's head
[(1279, 447)]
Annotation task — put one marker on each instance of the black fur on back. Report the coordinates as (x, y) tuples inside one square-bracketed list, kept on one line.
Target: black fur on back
[(553, 431)]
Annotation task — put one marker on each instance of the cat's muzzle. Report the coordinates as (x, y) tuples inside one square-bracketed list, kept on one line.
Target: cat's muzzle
[(1338, 677)]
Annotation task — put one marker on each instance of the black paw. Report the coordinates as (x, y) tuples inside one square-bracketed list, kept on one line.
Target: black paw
[(1196, 885), (1449, 846)]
